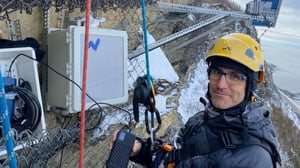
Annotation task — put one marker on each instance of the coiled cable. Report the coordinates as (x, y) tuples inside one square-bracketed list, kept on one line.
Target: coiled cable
[(28, 108)]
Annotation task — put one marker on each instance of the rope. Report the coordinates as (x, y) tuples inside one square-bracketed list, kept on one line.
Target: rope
[(149, 83), (83, 97)]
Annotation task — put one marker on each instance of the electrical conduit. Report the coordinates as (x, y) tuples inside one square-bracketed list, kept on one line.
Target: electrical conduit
[(6, 126)]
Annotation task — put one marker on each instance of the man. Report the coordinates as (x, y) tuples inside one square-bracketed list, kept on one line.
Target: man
[(233, 130)]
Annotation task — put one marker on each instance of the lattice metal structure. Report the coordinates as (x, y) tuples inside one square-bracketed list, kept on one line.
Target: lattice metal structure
[(8, 6), (266, 12)]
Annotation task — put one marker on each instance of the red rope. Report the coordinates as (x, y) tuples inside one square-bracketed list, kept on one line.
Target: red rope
[(84, 76)]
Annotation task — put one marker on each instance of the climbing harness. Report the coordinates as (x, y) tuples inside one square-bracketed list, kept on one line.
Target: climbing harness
[(228, 140)]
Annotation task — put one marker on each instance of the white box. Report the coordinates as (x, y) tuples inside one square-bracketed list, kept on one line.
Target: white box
[(106, 71), (25, 68)]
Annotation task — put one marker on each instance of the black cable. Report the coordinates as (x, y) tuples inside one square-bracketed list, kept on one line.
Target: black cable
[(58, 73), (65, 123), (24, 84), (61, 157), (26, 88), (30, 109), (99, 120), (130, 118)]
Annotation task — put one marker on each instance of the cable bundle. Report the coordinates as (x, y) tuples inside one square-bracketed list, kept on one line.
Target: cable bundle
[(28, 109)]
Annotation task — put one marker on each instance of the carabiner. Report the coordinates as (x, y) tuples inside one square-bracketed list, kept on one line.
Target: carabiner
[(158, 119)]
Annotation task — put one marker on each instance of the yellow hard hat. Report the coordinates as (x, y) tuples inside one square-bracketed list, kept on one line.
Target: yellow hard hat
[(242, 49)]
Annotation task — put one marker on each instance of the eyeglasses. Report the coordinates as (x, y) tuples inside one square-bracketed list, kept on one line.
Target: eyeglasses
[(233, 78)]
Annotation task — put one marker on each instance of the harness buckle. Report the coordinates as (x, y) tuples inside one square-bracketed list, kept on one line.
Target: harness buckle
[(230, 140)]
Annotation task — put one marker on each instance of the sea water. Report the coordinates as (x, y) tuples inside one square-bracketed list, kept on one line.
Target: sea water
[(285, 56)]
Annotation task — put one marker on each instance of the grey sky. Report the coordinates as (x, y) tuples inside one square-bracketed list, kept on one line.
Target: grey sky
[(281, 45)]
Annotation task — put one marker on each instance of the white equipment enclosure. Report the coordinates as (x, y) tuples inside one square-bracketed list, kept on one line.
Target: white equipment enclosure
[(106, 71)]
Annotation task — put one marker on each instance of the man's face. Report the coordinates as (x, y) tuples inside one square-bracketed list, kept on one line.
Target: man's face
[(224, 93)]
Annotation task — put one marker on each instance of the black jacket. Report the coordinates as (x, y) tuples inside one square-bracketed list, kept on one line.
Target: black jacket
[(221, 140)]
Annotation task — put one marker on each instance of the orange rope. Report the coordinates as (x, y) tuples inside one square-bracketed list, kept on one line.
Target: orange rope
[(84, 75)]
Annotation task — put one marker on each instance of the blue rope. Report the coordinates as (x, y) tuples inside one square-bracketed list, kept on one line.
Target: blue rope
[(146, 53), (6, 126)]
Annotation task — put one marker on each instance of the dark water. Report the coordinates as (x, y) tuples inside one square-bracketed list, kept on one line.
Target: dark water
[(286, 59)]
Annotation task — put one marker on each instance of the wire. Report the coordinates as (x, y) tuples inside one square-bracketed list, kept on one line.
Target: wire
[(38, 118), (35, 104), (77, 85), (262, 34), (286, 34), (30, 109), (130, 118), (58, 73)]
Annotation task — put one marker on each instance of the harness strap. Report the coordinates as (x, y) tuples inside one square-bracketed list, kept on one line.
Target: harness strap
[(195, 149), (227, 140)]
